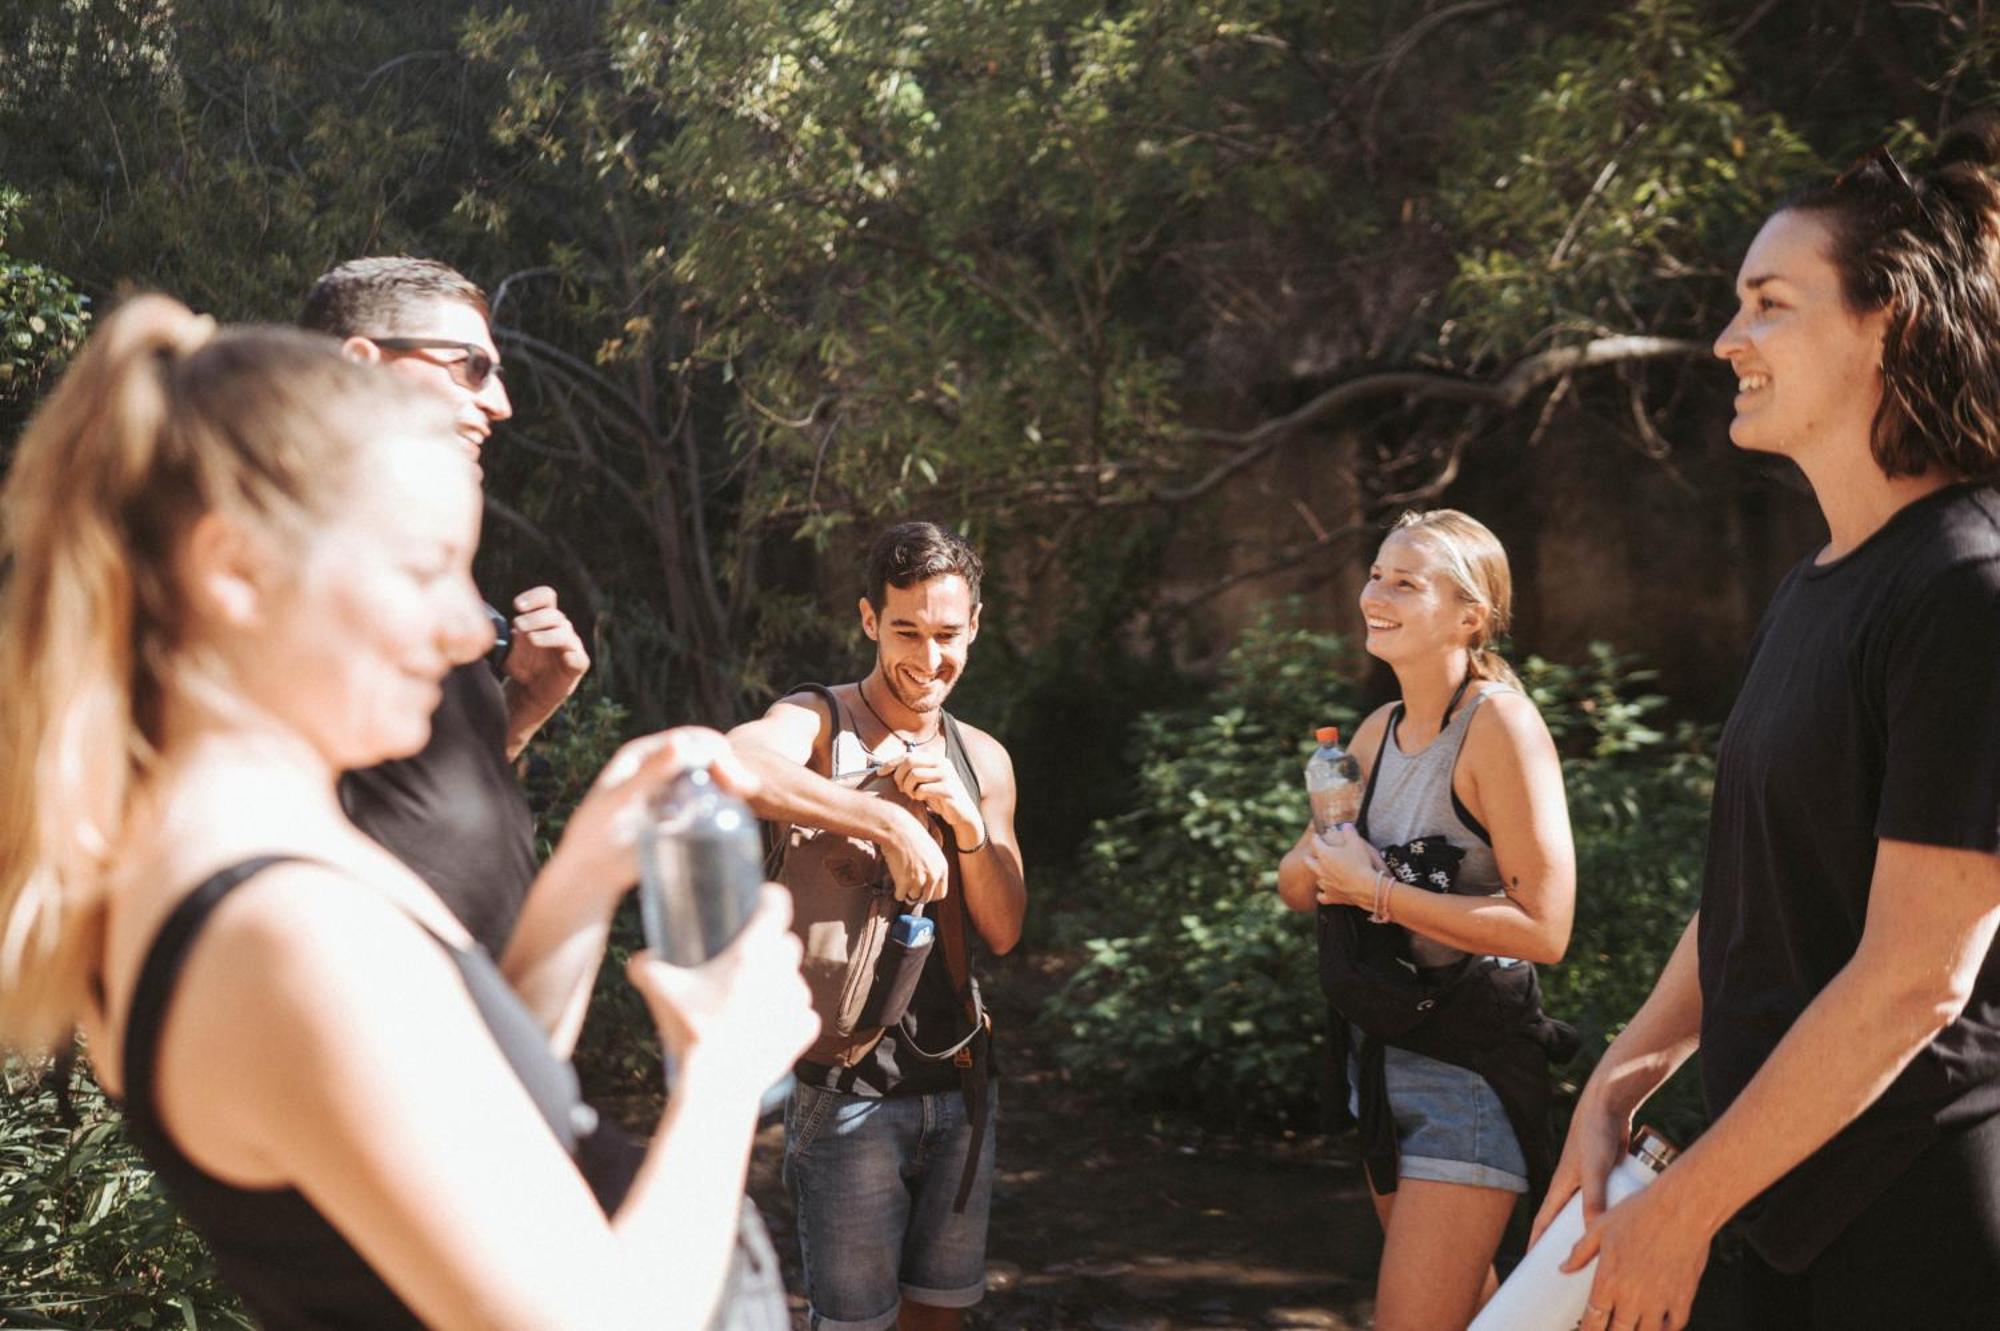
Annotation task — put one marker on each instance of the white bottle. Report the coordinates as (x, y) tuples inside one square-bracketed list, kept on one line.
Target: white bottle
[(1333, 782), (1538, 1296)]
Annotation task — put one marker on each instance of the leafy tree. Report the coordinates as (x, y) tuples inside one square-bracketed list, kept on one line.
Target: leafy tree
[(42, 319)]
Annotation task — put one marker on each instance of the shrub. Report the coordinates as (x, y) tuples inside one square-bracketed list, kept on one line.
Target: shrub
[(87, 1239), (1198, 989)]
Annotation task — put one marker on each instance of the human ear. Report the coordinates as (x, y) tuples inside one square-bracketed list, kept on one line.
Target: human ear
[(228, 572), (361, 349), (868, 625), (972, 626)]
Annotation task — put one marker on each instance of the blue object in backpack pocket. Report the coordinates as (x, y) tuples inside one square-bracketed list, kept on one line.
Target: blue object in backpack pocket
[(912, 930), (897, 970)]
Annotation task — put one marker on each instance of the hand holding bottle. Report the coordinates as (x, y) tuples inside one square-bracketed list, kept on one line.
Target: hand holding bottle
[(744, 1016)]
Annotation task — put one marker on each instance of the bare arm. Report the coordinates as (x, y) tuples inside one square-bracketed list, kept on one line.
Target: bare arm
[(1659, 1038), (785, 750), (331, 1046), (996, 892), (1932, 915)]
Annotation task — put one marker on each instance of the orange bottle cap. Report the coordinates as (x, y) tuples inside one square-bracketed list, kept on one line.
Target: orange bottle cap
[(1327, 734)]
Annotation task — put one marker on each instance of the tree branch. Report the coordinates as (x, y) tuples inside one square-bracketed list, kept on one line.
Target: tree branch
[(1503, 394)]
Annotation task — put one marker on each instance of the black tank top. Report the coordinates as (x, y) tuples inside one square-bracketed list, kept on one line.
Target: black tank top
[(292, 1268)]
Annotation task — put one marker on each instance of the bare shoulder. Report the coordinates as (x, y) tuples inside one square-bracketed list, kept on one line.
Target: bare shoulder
[(1507, 727), (794, 725), (988, 755), (301, 933)]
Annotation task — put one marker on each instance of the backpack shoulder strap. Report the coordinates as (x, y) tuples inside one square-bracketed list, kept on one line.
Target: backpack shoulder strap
[(954, 749), (778, 832)]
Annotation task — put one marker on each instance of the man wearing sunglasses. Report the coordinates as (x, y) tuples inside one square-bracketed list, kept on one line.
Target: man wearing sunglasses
[(455, 812)]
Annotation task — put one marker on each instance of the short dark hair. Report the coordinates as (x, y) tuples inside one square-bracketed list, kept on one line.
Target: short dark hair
[(375, 295), (1925, 247), (913, 552)]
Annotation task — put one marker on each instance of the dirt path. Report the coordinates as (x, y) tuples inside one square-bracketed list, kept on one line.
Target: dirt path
[(1103, 1222)]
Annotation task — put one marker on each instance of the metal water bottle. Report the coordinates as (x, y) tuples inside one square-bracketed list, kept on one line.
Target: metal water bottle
[(701, 869), (1333, 782), (1539, 1296)]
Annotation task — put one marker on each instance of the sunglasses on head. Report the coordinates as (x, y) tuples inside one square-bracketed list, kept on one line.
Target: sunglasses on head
[(479, 363)]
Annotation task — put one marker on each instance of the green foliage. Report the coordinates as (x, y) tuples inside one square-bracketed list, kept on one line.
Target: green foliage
[(1199, 990), (87, 1240), (42, 316), (1606, 181)]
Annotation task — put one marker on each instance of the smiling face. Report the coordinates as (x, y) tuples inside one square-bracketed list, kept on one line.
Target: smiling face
[(356, 634), (922, 635), (444, 369), (1808, 368), (1412, 607)]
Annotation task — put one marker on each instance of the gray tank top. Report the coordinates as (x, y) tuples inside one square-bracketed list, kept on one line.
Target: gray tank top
[(1428, 837)]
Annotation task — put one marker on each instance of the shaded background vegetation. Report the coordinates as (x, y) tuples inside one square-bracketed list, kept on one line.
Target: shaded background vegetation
[(1169, 304)]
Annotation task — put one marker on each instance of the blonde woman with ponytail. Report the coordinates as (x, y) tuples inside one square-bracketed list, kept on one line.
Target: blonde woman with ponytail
[(1458, 875), (237, 564)]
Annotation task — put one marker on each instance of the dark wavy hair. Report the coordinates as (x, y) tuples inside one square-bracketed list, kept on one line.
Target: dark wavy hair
[(1925, 247), (913, 552)]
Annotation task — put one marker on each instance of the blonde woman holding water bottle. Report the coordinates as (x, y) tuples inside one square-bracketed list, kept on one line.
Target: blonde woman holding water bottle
[(236, 565), (1458, 875)]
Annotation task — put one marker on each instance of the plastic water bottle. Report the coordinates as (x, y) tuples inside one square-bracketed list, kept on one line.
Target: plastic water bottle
[(1540, 1297), (701, 869), (1333, 782)]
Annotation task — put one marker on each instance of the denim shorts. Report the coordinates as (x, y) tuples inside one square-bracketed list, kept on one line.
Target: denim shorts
[(874, 1181), (1450, 1125)]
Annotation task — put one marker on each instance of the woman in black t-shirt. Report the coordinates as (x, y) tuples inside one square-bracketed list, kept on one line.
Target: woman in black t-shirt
[(238, 564), (1840, 978)]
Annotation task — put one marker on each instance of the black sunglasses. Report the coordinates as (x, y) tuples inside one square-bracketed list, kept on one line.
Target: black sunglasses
[(480, 364)]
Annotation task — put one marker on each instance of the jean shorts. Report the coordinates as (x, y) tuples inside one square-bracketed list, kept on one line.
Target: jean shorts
[(874, 1180), (1450, 1125)]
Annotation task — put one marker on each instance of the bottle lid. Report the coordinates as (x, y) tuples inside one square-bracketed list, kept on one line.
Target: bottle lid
[(1327, 734), (1653, 1149)]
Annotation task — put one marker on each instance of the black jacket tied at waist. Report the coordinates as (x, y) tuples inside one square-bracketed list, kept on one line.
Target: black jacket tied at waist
[(1477, 1014)]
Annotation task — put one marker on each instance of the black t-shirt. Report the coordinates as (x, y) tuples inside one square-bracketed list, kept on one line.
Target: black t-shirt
[(1870, 710), (454, 812)]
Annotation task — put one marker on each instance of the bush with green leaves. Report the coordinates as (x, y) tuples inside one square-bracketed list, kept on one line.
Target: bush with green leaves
[(1198, 990), (87, 1239)]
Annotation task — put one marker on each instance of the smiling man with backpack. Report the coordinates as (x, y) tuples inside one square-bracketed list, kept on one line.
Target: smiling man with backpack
[(897, 835)]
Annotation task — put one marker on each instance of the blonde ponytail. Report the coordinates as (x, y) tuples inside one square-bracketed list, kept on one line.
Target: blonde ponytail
[(68, 751)]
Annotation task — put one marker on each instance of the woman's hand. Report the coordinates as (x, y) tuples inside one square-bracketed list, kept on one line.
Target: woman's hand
[(1344, 866), (746, 1015), (1650, 1251), (600, 842), (1597, 1141)]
